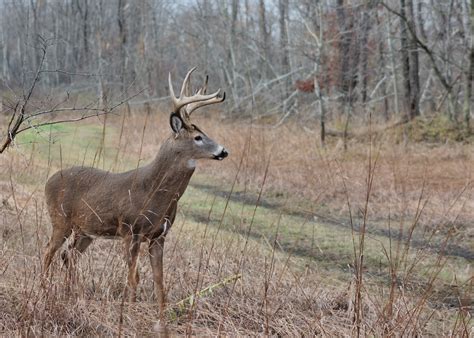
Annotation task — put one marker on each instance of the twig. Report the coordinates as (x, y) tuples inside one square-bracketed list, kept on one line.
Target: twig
[(190, 300), (12, 132)]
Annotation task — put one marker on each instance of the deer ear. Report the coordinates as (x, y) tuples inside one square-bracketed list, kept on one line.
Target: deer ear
[(176, 123)]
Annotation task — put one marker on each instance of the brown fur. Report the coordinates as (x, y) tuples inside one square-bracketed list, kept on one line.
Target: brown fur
[(137, 205), (134, 205)]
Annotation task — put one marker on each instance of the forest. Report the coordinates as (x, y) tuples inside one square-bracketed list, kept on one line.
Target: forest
[(345, 206)]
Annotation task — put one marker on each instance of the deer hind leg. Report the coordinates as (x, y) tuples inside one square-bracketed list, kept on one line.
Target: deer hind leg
[(61, 231), (80, 244), (132, 249)]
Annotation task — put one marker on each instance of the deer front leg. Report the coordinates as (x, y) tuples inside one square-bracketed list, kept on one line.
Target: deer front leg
[(156, 260), (132, 249)]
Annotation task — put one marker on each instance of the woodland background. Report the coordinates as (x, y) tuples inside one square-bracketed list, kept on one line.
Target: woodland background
[(328, 60)]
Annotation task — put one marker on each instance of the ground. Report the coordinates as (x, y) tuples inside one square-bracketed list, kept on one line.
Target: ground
[(284, 237)]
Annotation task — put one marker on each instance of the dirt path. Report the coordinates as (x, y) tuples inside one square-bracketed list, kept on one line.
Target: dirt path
[(450, 249)]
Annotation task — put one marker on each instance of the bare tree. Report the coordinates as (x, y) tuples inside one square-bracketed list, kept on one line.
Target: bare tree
[(261, 48), (265, 39), (25, 115), (284, 48), (468, 21)]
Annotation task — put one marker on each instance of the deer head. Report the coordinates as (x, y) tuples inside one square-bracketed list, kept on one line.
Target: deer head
[(193, 142)]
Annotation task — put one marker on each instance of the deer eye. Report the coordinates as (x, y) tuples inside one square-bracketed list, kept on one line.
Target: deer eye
[(198, 138)]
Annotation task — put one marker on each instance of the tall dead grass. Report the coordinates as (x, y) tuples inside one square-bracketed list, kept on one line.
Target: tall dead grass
[(416, 193)]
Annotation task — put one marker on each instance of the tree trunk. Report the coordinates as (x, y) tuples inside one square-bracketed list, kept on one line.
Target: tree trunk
[(364, 53), (35, 33), (468, 104), (284, 51), (233, 49), (405, 59), (265, 37), (349, 57), (5, 57), (382, 69), (414, 66), (122, 40), (320, 69), (85, 32), (394, 72), (349, 54)]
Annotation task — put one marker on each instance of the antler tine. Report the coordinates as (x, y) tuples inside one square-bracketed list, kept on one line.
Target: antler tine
[(195, 105), (203, 89), (170, 85), (181, 102), (186, 85), (188, 90), (184, 100)]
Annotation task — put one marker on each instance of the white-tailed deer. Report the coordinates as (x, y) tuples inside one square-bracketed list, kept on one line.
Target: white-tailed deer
[(138, 205)]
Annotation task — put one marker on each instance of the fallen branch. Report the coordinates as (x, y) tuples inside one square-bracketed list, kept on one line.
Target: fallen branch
[(191, 300)]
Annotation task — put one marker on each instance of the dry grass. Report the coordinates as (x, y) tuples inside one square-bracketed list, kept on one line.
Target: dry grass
[(421, 193)]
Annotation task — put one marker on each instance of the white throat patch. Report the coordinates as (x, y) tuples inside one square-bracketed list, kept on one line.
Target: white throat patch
[(191, 164)]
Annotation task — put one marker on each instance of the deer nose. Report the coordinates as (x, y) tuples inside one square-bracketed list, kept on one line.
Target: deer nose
[(223, 154)]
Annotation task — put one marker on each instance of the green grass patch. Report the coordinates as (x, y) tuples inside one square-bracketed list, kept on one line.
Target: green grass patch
[(325, 245), (68, 144), (438, 129)]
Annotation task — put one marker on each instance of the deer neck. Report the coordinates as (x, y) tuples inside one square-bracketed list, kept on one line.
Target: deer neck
[(171, 170)]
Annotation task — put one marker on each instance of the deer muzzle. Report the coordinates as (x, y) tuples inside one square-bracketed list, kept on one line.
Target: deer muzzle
[(221, 155)]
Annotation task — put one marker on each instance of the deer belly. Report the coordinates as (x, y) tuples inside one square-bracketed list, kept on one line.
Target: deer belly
[(94, 229), (95, 223)]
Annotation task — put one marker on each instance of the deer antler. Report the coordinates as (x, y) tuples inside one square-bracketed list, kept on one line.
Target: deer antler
[(184, 100), (202, 91)]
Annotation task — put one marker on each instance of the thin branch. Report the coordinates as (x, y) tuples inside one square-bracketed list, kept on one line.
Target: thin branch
[(423, 46), (65, 72), (84, 117), (272, 81), (98, 111), (12, 132)]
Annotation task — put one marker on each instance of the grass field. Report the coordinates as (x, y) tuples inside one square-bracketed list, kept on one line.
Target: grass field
[(284, 237)]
